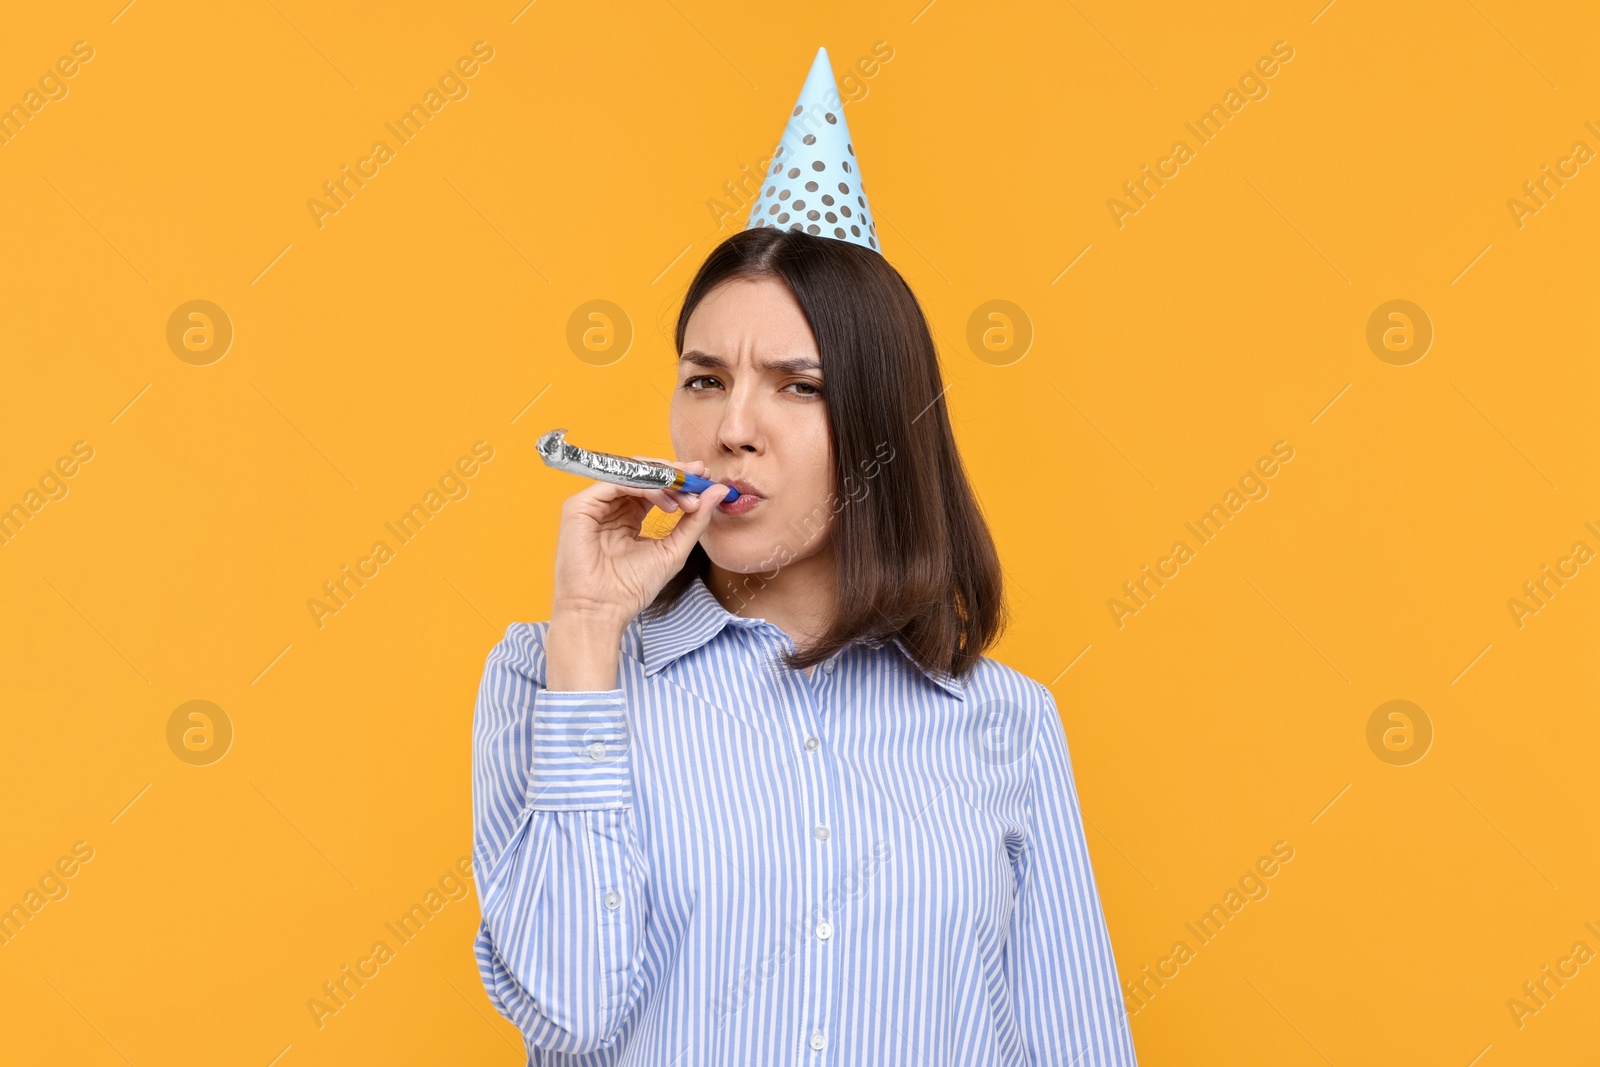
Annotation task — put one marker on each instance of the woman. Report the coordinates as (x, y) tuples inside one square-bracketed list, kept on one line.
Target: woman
[(694, 847)]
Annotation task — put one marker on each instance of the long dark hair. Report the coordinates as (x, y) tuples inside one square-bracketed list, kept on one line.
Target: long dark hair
[(915, 557)]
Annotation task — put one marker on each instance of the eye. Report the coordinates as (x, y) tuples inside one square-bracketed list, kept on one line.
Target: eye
[(689, 383), (815, 389)]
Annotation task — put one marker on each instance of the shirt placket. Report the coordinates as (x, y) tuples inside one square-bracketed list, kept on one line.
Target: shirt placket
[(818, 925)]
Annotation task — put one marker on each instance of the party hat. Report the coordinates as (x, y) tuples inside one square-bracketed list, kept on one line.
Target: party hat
[(814, 184)]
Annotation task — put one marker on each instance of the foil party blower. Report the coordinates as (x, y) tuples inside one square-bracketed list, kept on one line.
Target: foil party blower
[(623, 470)]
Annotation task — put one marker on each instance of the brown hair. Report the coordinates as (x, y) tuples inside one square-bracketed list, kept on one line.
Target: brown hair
[(915, 557)]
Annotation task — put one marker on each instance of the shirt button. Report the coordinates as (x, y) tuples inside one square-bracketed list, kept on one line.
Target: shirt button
[(613, 900), (811, 744), (827, 668), (597, 751), (820, 833), (824, 931), (817, 1040)]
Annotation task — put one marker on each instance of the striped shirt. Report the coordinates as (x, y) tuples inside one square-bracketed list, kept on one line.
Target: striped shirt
[(724, 861)]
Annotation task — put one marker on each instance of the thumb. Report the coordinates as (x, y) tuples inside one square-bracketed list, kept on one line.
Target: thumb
[(694, 523)]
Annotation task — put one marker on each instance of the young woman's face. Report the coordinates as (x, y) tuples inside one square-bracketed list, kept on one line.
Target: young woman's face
[(750, 404)]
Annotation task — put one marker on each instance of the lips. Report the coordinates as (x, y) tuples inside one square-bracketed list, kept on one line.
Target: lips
[(749, 497), (744, 487)]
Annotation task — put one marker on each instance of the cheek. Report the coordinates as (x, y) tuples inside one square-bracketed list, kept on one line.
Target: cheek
[(810, 499), (810, 451), (807, 463)]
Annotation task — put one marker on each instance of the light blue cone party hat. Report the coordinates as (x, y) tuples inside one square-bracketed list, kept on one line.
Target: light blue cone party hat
[(814, 184)]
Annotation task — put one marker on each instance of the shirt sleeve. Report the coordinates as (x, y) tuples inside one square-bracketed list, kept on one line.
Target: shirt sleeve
[(556, 854), (1059, 962)]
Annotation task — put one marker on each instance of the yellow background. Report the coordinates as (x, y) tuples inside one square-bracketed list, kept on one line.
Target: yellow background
[(369, 354)]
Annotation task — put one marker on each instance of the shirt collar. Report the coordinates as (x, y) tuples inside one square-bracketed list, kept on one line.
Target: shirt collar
[(698, 616)]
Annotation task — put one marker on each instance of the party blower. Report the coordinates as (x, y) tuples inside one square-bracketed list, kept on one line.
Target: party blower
[(623, 470)]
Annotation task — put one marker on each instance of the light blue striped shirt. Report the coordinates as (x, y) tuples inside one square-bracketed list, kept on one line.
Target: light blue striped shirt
[(726, 862)]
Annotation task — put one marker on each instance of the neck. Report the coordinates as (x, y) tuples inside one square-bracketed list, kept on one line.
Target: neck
[(801, 599)]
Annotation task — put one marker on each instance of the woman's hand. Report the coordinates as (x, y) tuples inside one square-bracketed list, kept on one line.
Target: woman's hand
[(606, 572)]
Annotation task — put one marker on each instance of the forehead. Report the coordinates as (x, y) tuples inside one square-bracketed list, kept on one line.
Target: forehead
[(750, 318)]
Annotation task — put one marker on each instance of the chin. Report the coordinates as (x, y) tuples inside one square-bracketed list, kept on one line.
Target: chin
[(760, 544), (746, 551)]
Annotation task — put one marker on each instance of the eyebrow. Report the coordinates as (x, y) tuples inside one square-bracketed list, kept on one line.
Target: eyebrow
[(787, 366)]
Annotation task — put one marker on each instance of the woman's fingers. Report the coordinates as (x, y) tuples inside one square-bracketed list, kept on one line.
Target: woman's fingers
[(694, 522), (610, 494), (612, 501)]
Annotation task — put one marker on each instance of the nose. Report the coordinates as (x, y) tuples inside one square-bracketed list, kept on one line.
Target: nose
[(740, 427)]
